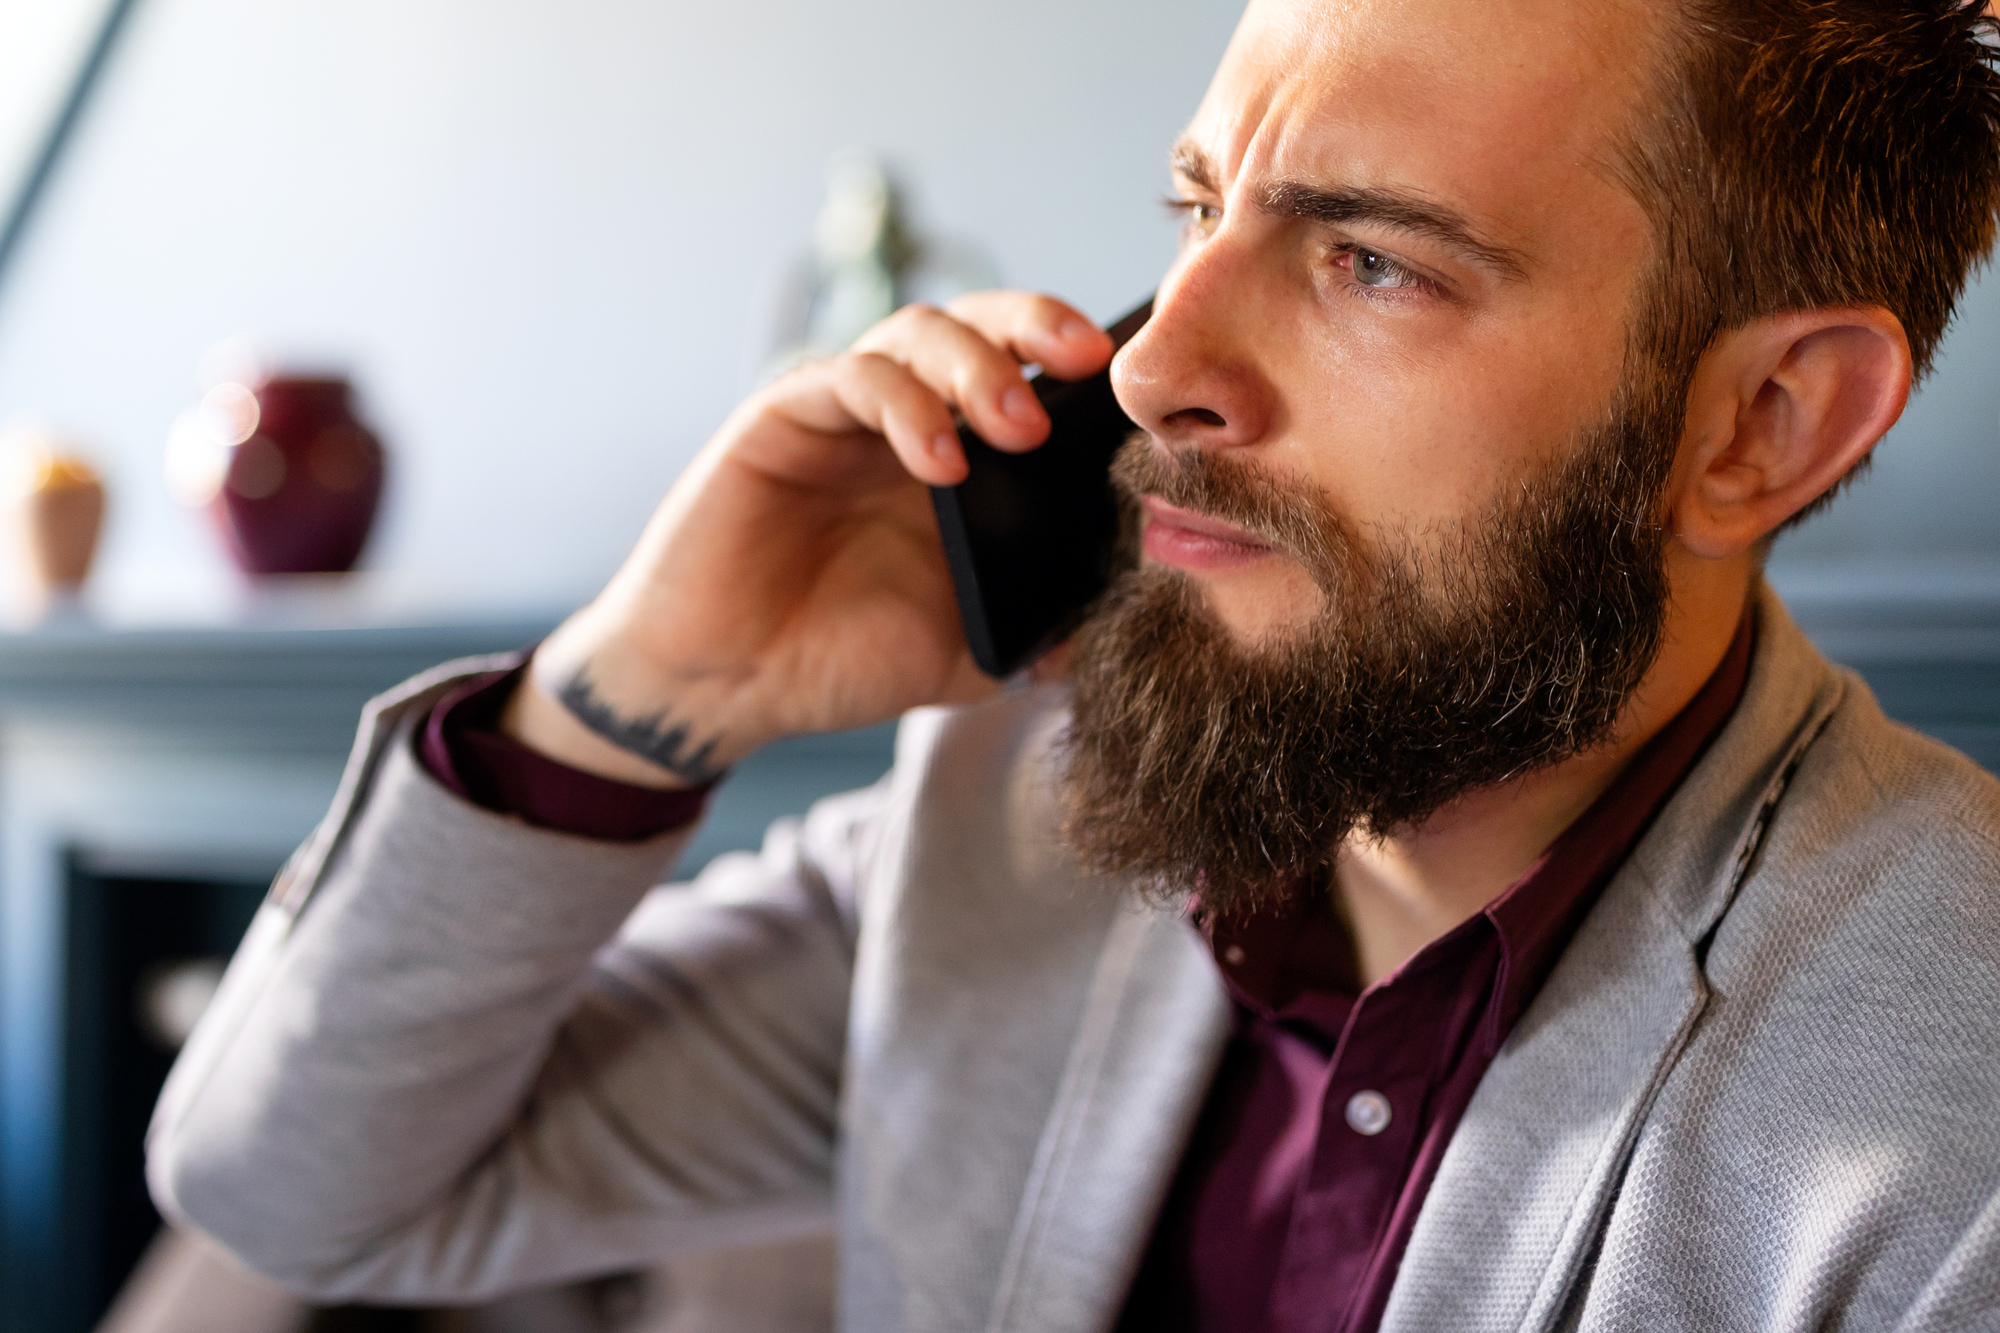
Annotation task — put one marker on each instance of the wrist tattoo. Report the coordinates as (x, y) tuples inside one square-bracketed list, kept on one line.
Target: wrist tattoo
[(651, 737)]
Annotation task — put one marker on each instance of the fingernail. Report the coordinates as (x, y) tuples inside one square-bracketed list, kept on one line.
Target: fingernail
[(943, 445), (1076, 330), (1019, 403)]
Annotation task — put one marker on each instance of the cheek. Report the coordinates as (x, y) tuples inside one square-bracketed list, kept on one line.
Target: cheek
[(1387, 437), (1413, 428)]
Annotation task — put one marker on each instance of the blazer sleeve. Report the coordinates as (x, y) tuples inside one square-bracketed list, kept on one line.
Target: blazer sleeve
[(456, 1054)]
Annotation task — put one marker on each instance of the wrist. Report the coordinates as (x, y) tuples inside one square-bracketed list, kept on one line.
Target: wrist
[(587, 717), (547, 727)]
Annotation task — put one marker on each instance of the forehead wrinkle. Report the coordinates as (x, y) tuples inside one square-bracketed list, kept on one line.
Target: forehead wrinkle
[(1273, 138), (1290, 57), (1225, 152)]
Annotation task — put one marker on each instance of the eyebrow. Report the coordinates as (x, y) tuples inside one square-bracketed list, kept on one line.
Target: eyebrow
[(1387, 208)]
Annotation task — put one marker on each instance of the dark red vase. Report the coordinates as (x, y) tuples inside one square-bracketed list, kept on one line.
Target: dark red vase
[(301, 492)]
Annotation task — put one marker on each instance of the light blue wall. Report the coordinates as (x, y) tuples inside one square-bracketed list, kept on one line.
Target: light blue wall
[(535, 231)]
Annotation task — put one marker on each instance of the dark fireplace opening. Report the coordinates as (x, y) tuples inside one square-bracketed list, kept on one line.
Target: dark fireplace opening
[(143, 955)]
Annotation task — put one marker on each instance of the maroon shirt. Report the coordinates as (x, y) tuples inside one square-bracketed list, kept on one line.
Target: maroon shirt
[(1333, 1104)]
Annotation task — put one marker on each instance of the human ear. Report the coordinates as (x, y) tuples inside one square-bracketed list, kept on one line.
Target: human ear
[(1780, 410)]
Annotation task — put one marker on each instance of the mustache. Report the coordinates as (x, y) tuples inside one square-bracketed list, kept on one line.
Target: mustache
[(1296, 522)]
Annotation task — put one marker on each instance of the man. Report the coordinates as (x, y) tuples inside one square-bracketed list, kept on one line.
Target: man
[(1442, 890)]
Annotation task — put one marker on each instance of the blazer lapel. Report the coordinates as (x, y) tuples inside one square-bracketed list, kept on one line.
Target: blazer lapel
[(1152, 1034), (1539, 1158), (1540, 1151)]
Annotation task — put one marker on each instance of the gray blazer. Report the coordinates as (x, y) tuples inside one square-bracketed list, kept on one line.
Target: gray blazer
[(1760, 1091)]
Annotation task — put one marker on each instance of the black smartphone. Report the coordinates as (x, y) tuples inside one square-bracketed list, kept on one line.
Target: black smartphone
[(1031, 538)]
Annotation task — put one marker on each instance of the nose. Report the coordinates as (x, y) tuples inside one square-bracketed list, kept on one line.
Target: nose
[(1190, 377)]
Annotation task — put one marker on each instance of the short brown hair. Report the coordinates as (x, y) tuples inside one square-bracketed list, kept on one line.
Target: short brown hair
[(1810, 153)]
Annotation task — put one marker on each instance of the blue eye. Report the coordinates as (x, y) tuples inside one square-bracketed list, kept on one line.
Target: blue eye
[(1196, 219), (1373, 270)]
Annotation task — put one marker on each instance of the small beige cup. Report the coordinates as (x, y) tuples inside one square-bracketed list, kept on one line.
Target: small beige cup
[(58, 500)]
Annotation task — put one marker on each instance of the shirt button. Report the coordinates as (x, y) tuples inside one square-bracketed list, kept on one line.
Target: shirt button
[(1368, 1113), (1233, 955)]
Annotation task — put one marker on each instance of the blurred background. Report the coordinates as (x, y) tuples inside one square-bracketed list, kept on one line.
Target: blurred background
[(548, 247), (540, 236)]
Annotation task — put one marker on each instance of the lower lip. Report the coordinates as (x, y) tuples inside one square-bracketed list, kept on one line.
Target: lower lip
[(1198, 552)]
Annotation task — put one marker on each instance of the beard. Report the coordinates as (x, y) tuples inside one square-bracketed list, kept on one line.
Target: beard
[(1508, 645)]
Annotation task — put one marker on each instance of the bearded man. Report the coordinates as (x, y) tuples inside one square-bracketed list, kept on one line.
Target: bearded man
[(1440, 890)]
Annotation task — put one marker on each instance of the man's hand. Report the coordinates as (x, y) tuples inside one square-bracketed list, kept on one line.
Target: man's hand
[(792, 581)]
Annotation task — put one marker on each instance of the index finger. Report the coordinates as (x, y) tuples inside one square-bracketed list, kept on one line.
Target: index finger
[(1055, 334)]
